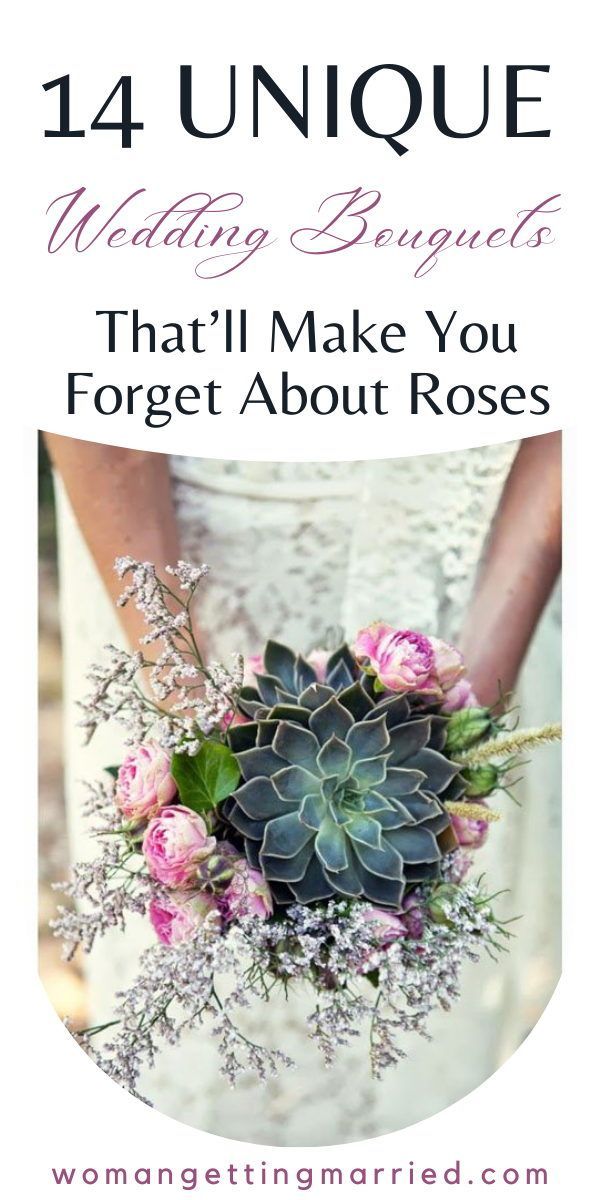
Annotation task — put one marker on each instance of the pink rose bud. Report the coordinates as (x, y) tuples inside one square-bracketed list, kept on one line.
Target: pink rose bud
[(318, 660), (468, 830), (413, 917), (248, 894), (233, 718), (402, 660), (387, 927), (460, 695), (176, 917), (217, 870), (253, 665), (449, 664), (174, 843), (144, 782)]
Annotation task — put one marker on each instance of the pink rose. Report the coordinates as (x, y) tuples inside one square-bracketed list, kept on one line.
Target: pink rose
[(174, 843), (144, 783), (460, 695), (468, 830), (176, 917), (449, 664), (387, 927), (248, 894), (402, 660), (253, 666)]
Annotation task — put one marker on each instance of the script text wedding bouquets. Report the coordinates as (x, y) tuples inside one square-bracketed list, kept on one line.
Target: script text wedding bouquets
[(289, 823)]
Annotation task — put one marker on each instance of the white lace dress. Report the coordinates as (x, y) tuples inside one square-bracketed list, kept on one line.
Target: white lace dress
[(295, 549)]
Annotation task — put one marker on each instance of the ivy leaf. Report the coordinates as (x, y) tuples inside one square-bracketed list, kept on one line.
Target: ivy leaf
[(206, 779)]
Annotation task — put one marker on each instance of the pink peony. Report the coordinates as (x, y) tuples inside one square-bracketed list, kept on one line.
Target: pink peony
[(386, 926), (176, 917), (460, 695), (449, 664), (402, 660), (144, 783), (248, 894), (174, 843), (468, 830)]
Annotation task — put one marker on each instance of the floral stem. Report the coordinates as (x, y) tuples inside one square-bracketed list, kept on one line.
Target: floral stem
[(93, 1030)]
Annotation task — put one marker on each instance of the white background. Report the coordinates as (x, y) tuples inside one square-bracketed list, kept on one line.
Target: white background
[(537, 1111)]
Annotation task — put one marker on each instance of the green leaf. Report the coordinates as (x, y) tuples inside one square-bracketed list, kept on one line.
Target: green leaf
[(206, 779), (113, 771)]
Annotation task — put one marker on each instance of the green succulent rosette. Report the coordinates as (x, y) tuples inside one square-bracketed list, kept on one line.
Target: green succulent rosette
[(343, 786)]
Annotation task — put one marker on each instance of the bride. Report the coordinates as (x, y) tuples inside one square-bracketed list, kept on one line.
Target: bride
[(465, 545)]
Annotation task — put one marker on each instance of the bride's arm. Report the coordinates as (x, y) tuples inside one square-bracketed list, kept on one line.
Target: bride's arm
[(123, 504), (519, 568)]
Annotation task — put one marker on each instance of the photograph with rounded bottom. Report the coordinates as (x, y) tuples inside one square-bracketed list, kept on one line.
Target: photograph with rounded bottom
[(300, 778)]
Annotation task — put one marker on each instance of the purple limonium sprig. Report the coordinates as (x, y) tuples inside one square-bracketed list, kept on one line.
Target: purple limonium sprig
[(362, 982), (174, 694)]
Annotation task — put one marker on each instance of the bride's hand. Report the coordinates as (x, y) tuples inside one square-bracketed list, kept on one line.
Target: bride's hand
[(122, 500), (518, 571)]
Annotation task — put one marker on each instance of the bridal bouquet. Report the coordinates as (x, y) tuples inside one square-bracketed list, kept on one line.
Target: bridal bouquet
[(298, 821)]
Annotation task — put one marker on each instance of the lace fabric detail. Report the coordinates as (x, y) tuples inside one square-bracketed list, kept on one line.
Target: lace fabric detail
[(298, 547), (278, 480), (421, 534)]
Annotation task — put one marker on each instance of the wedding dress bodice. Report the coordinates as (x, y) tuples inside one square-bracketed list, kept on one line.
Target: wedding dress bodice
[(294, 549)]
